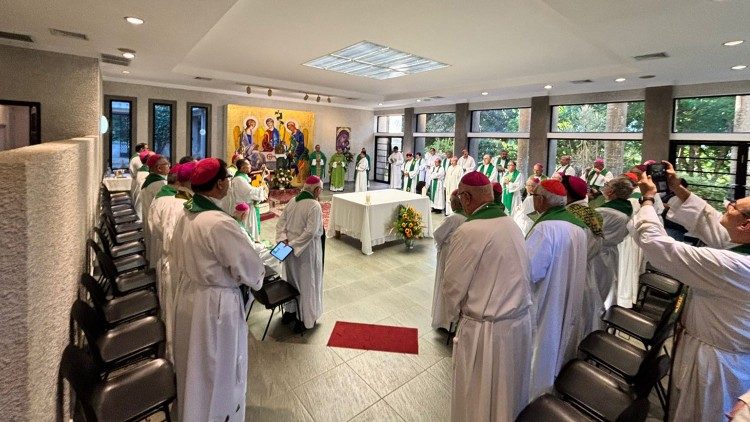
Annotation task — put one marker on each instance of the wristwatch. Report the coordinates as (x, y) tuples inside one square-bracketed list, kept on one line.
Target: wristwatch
[(646, 198)]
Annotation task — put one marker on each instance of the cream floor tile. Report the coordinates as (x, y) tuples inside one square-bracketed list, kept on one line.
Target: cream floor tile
[(378, 412), (317, 335), (424, 398), (443, 371), (415, 317), (337, 395), (347, 354), (361, 312), (436, 348), (298, 363), (419, 292), (385, 372), (282, 408), (389, 300)]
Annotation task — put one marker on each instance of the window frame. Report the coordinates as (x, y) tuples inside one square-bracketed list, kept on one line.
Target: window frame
[(189, 132), (151, 103), (713, 136), (133, 123), (613, 136), (508, 135), (387, 117)]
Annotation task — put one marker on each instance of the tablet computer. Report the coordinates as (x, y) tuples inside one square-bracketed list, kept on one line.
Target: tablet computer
[(281, 251)]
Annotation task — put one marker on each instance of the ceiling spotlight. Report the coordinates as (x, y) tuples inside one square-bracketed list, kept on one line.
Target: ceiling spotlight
[(318, 99), (306, 97), (126, 72), (270, 92), (329, 99), (733, 43), (128, 55), (380, 104), (620, 80), (739, 67), (485, 93), (133, 20), (418, 100), (249, 90), (547, 86)]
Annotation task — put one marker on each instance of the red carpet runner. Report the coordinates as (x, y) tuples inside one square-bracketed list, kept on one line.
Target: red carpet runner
[(383, 338)]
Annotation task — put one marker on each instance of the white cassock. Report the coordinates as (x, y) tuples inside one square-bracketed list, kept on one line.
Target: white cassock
[(521, 215), (240, 190), (606, 264), (596, 179), (514, 188), (360, 181), (212, 258), (424, 170), (302, 224), (429, 162), (490, 171), (133, 166), (711, 366), (453, 176), (593, 303), (135, 193), (147, 196), (501, 165), (162, 219), (467, 163), (557, 253), (411, 168), (486, 278), (435, 188), (442, 234), (567, 170), (396, 160)]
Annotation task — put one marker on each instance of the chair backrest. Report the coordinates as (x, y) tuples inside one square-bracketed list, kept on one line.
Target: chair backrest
[(88, 321), (636, 412), (670, 317), (97, 293), (651, 371), (104, 240), (79, 369), (659, 281)]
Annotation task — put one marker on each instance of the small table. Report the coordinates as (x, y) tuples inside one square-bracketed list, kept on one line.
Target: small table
[(371, 223), (117, 184)]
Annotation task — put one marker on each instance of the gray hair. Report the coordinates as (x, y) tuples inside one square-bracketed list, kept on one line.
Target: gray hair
[(311, 188), (550, 198), (621, 187)]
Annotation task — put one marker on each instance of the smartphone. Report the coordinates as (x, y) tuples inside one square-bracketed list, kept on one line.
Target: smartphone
[(658, 173)]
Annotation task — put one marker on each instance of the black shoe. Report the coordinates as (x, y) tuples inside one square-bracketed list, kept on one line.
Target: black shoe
[(288, 317), (299, 327)]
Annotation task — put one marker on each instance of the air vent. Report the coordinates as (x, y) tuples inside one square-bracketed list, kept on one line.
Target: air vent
[(647, 76), (437, 97), (15, 37), (582, 81), (424, 100), (61, 33), (651, 56), (202, 78), (118, 60)]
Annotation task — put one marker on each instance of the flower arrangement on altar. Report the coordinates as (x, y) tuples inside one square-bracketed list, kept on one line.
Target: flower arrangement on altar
[(408, 224), (282, 178)]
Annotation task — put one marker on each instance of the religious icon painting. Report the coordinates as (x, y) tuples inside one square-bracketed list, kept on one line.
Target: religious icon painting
[(342, 137)]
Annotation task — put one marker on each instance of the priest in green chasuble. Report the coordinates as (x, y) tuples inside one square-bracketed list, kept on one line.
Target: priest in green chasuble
[(512, 185), (318, 163), (487, 168), (337, 170)]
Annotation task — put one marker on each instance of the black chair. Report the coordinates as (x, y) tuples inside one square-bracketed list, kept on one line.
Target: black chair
[(122, 235), (121, 283), (131, 395), (123, 227), (120, 345), (274, 293), (121, 266), (117, 251), (117, 310), (604, 396), (655, 293), (549, 408)]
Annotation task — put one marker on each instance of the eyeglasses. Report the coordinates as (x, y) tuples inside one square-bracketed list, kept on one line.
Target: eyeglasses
[(463, 193), (733, 204)]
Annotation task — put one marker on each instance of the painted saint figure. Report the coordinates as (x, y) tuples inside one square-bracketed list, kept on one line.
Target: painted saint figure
[(271, 137)]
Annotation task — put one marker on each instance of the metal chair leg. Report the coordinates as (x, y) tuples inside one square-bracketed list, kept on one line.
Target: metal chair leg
[(247, 316), (268, 325)]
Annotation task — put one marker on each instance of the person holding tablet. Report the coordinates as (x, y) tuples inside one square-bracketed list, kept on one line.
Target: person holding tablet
[(301, 228)]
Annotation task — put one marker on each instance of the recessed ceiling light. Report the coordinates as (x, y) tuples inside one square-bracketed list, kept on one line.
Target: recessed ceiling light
[(128, 55), (739, 67), (380, 103), (547, 86), (485, 93), (620, 80), (418, 100), (126, 72), (733, 43), (133, 20)]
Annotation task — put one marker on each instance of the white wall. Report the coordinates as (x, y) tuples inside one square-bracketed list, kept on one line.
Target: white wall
[(327, 118)]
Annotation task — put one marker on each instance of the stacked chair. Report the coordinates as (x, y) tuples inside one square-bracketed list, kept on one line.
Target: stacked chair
[(614, 378), (117, 369)]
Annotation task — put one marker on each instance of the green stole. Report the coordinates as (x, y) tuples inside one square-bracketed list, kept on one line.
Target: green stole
[(166, 190), (303, 195), (487, 211), (592, 175), (508, 196), (559, 213), (622, 205), (318, 167), (742, 249), (486, 170), (200, 203), (636, 195), (151, 178), (144, 168), (242, 175), (183, 194), (408, 182), (433, 189)]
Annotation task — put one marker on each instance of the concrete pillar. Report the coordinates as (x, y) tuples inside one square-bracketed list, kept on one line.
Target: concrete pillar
[(463, 120), (657, 124), (409, 123), (538, 129)]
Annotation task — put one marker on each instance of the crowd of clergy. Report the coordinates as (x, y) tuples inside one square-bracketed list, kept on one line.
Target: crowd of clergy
[(520, 282)]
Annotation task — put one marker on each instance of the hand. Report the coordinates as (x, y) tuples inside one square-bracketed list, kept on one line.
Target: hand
[(673, 181), (736, 409), (647, 186)]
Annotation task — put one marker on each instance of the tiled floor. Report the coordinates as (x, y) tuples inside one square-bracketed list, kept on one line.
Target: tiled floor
[(299, 378)]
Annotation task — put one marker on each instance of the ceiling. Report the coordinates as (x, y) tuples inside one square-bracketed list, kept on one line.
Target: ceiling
[(507, 48)]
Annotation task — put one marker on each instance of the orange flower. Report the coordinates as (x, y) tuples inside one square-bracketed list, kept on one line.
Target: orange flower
[(403, 224)]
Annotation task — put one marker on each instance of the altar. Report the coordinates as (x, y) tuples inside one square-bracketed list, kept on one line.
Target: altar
[(371, 223)]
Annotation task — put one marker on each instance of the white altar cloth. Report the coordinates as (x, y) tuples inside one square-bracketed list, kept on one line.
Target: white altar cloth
[(117, 184), (372, 223)]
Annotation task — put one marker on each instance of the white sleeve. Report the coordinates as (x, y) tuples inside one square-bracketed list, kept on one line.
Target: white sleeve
[(234, 250), (700, 219), (313, 220), (515, 186), (539, 250), (461, 263)]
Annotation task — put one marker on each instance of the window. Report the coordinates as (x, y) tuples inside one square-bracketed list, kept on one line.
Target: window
[(726, 114), (121, 112), (161, 122), (715, 171), (619, 155), (383, 147), (436, 123), (601, 117), (492, 146), (199, 129), (389, 124), (506, 120)]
